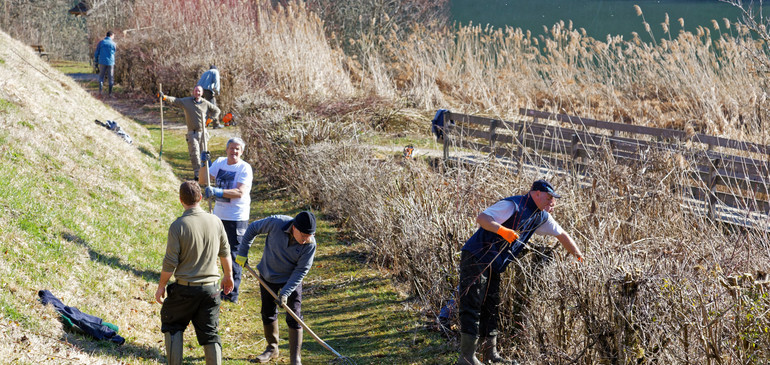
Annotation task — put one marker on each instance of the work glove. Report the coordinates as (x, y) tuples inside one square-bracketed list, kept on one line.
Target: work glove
[(212, 191), (281, 301), (205, 158), (208, 121), (507, 234), (240, 260), (161, 95)]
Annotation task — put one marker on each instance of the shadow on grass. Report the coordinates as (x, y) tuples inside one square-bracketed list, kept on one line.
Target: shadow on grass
[(115, 262), (106, 348)]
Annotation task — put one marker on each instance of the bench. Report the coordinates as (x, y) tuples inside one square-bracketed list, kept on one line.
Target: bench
[(40, 50)]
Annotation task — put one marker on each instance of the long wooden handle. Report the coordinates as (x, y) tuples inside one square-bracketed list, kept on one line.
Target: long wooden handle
[(291, 313), (160, 91)]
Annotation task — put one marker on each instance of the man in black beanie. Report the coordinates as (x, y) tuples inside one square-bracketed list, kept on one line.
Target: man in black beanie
[(289, 250)]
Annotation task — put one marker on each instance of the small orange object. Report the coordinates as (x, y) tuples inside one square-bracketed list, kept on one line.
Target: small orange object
[(208, 121), (408, 151), (227, 119)]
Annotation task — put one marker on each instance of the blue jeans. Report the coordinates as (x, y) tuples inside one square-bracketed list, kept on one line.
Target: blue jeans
[(235, 231)]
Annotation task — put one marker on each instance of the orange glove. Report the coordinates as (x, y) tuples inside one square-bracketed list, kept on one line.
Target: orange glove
[(507, 234), (208, 121)]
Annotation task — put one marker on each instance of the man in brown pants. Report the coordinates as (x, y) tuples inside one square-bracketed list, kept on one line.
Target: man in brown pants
[(196, 111)]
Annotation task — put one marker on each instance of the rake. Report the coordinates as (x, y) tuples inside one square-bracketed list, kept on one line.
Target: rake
[(340, 359)]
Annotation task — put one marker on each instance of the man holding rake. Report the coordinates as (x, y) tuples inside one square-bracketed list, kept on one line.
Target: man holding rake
[(505, 228)]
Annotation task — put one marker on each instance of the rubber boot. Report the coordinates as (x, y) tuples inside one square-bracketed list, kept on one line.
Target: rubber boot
[(174, 344), (489, 351), (468, 350), (295, 346), (110, 91), (271, 335), (213, 353)]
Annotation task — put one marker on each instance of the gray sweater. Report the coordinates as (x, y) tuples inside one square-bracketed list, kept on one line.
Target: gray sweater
[(284, 260)]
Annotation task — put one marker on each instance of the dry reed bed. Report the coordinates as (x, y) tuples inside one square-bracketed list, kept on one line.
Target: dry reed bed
[(658, 284)]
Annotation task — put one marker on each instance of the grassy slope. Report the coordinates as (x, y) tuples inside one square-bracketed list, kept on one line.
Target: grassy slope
[(85, 216)]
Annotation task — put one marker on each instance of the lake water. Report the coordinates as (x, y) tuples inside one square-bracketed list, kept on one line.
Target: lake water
[(598, 17)]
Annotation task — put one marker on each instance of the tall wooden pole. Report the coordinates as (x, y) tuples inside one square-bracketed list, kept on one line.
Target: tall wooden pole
[(160, 91)]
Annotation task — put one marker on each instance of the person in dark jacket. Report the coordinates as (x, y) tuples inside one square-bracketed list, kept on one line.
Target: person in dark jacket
[(104, 56), (289, 250), (505, 228)]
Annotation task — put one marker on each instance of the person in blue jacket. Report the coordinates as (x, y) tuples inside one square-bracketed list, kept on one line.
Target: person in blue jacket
[(505, 227), (104, 56), (288, 255), (209, 81)]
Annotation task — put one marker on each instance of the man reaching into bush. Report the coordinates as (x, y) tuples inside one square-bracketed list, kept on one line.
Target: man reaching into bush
[(289, 250), (505, 227), (196, 110)]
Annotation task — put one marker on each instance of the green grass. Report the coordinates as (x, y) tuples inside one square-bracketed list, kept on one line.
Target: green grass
[(72, 67), (100, 242), (353, 308)]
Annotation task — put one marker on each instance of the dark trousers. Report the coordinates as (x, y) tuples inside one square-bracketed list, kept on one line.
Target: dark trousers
[(109, 72), (209, 95), (199, 304), (270, 307), (235, 231), (479, 297)]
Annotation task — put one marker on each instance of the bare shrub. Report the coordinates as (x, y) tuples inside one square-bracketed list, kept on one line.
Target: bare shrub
[(659, 284), (281, 50), (46, 23)]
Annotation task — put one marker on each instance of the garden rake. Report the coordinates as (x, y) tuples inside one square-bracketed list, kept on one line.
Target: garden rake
[(340, 359)]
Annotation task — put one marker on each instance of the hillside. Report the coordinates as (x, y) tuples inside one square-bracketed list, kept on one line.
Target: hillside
[(84, 214)]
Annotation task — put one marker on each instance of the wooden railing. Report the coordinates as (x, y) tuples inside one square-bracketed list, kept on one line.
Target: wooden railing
[(725, 173)]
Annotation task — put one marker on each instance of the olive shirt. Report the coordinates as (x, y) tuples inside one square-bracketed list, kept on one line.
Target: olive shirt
[(195, 112), (195, 240)]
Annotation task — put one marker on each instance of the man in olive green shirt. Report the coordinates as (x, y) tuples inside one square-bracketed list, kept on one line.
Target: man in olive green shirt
[(195, 240), (196, 111)]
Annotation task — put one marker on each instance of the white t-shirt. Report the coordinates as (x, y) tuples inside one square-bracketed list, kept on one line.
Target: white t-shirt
[(228, 177), (502, 210)]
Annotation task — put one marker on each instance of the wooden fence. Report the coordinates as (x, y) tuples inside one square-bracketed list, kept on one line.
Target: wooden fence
[(725, 174)]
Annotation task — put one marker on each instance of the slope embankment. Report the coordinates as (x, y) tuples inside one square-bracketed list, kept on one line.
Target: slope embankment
[(83, 214)]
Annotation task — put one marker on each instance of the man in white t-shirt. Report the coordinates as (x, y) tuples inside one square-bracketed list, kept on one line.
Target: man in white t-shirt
[(232, 177), (505, 228)]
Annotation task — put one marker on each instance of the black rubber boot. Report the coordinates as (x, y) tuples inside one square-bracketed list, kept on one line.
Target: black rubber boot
[(174, 348), (491, 356), (295, 346), (271, 335), (468, 345)]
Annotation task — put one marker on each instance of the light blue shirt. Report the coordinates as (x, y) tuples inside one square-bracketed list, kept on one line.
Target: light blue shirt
[(105, 52), (210, 80), (284, 259)]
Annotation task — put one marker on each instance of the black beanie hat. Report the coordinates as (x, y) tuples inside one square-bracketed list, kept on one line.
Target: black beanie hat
[(305, 222)]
